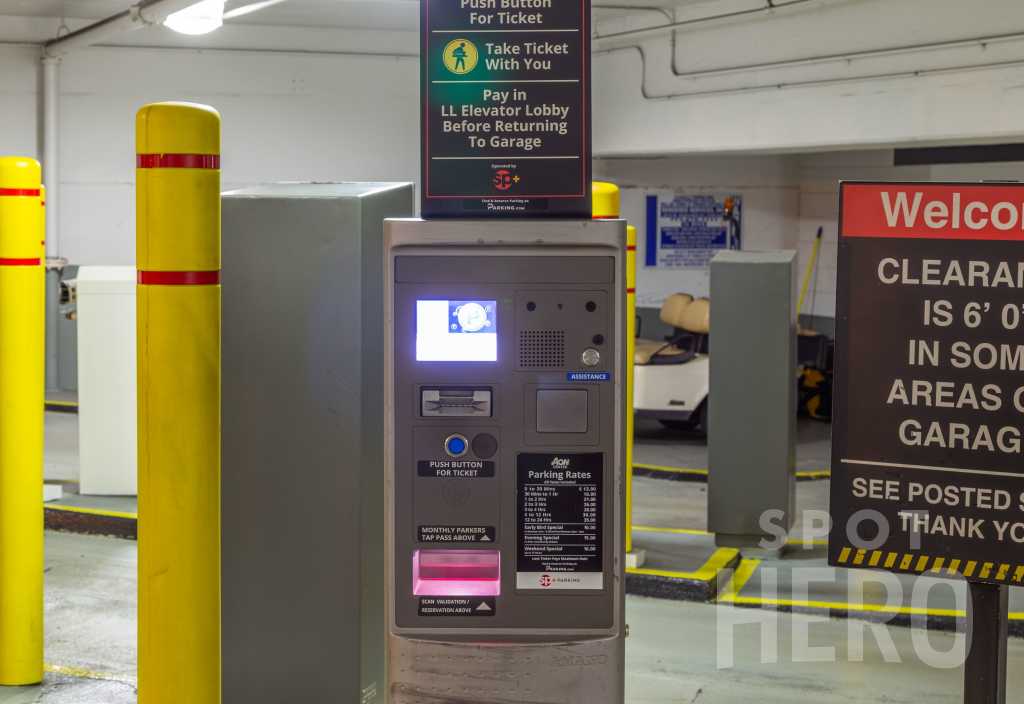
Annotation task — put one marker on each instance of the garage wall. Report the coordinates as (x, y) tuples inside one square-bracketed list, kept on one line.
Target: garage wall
[(769, 186), (287, 116), (819, 176), (19, 79), (809, 75), (786, 198)]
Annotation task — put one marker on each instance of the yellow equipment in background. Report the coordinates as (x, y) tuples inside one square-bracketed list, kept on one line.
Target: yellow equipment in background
[(179, 317), (22, 382)]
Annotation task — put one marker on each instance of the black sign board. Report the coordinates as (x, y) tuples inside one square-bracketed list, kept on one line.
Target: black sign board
[(505, 108), (928, 431)]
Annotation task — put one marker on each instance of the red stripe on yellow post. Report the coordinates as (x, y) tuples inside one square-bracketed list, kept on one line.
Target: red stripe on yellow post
[(22, 381), (178, 249)]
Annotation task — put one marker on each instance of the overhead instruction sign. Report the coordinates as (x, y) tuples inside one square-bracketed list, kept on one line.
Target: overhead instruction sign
[(686, 231), (506, 108), (928, 431)]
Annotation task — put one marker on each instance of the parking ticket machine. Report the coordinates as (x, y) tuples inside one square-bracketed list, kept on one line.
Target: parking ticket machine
[(505, 452)]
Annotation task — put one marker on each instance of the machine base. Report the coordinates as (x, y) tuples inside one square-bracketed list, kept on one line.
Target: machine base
[(583, 672)]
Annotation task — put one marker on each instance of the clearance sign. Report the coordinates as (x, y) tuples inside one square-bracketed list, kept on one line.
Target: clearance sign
[(928, 435)]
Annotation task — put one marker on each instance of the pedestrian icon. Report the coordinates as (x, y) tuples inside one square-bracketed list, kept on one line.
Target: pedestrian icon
[(460, 56)]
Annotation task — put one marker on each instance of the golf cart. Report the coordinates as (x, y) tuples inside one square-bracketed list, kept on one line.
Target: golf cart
[(671, 376)]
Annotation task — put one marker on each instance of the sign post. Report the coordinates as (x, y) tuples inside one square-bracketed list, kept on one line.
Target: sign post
[(506, 108), (929, 413)]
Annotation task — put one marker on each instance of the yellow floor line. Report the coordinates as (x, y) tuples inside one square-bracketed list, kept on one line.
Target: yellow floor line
[(740, 576), (693, 531), (730, 594), (92, 511), (676, 531), (705, 573), (671, 470), (86, 674), (62, 404), (802, 474), (845, 606)]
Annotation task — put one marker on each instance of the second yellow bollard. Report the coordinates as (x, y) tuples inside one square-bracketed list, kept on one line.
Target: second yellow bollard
[(606, 205), (178, 261)]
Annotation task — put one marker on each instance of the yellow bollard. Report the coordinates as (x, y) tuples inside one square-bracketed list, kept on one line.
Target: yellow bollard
[(178, 261), (22, 382), (630, 361), (606, 205)]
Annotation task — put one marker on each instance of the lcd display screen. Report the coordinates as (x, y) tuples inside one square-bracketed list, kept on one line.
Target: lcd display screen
[(456, 331)]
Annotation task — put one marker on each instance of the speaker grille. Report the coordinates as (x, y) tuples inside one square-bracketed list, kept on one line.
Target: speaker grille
[(541, 349)]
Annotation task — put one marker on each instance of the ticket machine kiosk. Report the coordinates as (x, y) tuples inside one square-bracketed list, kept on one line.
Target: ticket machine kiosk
[(504, 441)]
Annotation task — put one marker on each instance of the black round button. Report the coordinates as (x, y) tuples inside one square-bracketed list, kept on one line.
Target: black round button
[(591, 306), (485, 445), (598, 339)]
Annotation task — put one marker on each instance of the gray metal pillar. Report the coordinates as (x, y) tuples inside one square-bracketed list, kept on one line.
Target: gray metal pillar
[(752, 403), (303, 446), (52, 330)]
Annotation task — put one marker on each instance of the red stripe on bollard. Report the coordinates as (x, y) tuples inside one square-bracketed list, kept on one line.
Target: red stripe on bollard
[(19, 262), (31, 192), (177, 161), (179, 278)]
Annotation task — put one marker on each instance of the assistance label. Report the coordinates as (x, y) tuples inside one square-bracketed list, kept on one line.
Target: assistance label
[(456, 534), (455, 469), (928, 432), (457, 606), (506, 118), (558, 518), (588, 376)]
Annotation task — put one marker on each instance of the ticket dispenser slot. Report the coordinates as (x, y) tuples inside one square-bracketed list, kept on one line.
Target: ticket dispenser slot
[(505, 460)]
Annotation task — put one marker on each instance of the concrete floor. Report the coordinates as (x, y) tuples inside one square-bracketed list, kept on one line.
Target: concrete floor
[(655, 444), (672, 651), (90, 623)]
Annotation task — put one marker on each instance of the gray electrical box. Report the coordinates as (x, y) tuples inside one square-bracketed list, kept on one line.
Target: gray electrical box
[(505, 419), (752, 403), (302, 458)]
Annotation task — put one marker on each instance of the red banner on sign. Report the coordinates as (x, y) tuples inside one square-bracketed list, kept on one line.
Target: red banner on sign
[(933, 211)]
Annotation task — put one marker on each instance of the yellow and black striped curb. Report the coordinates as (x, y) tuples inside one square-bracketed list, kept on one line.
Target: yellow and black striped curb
[(91, 521), (61, 406), (697, 585), (924, 564)]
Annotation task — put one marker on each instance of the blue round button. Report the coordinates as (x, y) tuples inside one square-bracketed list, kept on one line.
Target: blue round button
[(456, 445)]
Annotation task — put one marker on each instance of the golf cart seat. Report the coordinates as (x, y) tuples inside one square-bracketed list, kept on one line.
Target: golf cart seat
[(673, 312)]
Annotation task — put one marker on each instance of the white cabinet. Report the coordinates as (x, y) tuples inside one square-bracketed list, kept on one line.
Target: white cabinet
[(106, 380)]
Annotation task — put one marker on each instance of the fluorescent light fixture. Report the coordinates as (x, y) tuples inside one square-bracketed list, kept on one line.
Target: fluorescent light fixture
[(251, 7), (202, 18)]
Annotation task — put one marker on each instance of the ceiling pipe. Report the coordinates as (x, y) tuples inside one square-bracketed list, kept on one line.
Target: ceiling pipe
[(142, 14), (769, 6)]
